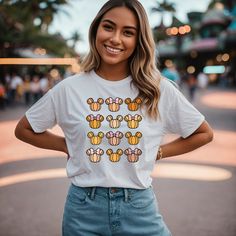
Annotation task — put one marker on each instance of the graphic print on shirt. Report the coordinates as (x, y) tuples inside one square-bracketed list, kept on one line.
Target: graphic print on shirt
[(95, 121), (114, 156), (95, 105), (133, 121), (114, 123), (114, 138), (133, 105), (133, 139), (95, 154), (114, 104), (95, 139), (132, 155)]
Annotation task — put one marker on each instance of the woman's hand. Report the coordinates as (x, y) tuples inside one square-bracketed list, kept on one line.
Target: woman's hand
[(200, 137), (46, 140)]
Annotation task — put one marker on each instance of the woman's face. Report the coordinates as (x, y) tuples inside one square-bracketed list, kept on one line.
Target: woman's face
[(116, 37)]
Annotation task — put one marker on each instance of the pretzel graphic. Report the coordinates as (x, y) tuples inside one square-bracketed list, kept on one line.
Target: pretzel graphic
[(114, 138), (133, 121), (114, 156), (95, 121), (114, 122), (114, 104), (95, 154), (133, 139), (133, 105), (95, 105), (95, 140), (132, 155)]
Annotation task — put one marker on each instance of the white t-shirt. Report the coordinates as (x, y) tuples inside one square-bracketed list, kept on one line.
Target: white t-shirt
[(111, 142)]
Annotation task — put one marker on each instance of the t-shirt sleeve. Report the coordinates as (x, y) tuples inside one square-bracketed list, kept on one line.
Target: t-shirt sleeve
[(41, 115), (181, 117)]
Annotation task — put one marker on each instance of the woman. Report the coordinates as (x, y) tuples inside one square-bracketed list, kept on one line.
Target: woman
[(114, 115)]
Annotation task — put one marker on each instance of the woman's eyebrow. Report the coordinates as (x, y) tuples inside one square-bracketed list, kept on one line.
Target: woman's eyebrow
[(128, 26)]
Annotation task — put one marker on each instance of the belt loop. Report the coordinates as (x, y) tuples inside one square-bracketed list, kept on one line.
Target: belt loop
[(93, 193), (126, 193)]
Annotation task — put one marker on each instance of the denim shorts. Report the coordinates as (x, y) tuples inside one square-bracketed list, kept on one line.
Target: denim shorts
[(112, 212)]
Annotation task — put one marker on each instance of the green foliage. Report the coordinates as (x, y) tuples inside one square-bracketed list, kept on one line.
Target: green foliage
[(24, 24)]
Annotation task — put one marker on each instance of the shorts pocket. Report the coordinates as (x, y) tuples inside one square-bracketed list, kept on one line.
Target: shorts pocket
[(77, 195), (142, 198)]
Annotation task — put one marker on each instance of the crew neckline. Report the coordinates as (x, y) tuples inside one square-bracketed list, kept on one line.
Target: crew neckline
[(110, 82)]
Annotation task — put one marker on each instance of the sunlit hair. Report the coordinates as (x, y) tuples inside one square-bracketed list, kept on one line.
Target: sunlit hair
[(146, 76)]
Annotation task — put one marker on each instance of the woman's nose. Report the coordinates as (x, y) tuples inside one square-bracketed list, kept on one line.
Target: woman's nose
[(115, 39)]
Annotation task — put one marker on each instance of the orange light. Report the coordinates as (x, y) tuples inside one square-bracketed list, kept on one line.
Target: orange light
[(38, 61), (182, 30), (187, 28), (225, 57), (191, 69), (174, 31), (168, 31), (219, 57)]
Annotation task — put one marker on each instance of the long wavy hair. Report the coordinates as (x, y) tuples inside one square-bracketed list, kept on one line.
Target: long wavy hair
[(142, 63)]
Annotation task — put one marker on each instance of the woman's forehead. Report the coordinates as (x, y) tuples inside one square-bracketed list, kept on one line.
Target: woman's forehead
[(122, 16)]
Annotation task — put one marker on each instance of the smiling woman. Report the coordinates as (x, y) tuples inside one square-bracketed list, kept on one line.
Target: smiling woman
[(116, 40), (114, 115)]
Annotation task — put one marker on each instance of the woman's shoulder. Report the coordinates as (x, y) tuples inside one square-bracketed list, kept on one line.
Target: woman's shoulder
[(73, 80), (168, 86), (79, 77)]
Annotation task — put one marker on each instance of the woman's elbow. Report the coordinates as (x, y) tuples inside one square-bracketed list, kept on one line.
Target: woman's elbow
[(209, 136), (19, 131), (21, 128)]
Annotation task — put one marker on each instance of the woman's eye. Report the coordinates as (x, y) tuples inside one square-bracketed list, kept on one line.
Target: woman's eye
[(128, 33), (107, 27)]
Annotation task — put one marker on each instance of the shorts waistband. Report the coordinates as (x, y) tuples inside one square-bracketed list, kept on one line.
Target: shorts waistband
[(110, 192)]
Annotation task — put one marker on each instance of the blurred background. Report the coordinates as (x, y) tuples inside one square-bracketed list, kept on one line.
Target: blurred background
[(43, 42)]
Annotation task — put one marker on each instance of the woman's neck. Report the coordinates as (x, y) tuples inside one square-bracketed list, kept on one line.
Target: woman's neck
[(113, 73)]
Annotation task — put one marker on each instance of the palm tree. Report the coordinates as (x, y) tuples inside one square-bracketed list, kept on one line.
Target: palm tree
[(164, 7), (75, 38), (18, 29)]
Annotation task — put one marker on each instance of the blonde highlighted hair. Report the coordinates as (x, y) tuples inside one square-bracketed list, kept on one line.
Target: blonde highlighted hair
[(142, 63)]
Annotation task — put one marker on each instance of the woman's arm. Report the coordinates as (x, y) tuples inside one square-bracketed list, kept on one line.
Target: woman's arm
[(200, 137), (46, 140)]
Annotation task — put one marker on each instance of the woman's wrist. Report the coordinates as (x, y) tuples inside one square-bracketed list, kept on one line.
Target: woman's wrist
[(159, 154)]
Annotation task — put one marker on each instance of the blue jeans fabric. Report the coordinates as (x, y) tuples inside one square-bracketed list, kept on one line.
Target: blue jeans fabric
[(98, 211)]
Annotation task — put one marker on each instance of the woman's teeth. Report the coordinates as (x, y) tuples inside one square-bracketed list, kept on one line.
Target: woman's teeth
[(113, 50)]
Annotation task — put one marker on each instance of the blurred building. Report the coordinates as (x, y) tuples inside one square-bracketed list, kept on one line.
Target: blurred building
[(207, 42)]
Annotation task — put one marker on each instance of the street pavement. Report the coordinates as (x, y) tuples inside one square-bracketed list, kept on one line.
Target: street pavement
[(196, 192)]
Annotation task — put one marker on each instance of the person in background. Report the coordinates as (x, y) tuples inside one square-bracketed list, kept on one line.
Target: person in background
[(2, 95), (202, 81), (114, 115), (192, 86), (27, 89), (15, 83), (172, 74), (44, 84), (35, 89)]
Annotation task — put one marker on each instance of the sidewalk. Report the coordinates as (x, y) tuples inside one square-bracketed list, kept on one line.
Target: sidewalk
[(196, 191)]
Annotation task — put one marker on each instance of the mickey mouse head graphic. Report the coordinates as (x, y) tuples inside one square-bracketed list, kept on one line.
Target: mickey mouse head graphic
[(114, 122), (132, 155), (133, 105), (133, 121), (114, 104), (95, 154), (95, 105), (114, 156), (95, 140), (114, 138), (95, 121), (133, 139)]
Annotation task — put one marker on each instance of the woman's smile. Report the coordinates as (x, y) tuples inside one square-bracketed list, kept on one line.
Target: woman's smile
[(113, 50), (116, 37)]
